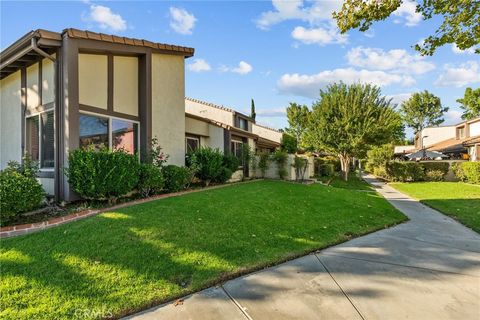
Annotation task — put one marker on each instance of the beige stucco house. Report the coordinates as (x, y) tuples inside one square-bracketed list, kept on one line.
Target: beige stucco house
[(64, 90)]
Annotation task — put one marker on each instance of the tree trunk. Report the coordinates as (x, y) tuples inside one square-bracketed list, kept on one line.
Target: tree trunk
[(345, 162)]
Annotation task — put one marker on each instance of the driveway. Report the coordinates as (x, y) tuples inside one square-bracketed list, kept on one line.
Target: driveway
[(427, 268)]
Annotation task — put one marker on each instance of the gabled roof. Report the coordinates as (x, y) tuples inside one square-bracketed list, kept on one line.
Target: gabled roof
[(449, 145)]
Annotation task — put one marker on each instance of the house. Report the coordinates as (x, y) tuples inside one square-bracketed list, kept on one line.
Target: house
[(64, 90), (458, 141), (238, 129)]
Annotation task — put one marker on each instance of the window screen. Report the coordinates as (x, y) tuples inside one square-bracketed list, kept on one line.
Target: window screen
[(48, 145)]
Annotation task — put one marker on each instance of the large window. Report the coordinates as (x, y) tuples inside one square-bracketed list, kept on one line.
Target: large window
[(243, 124), (192, 143), (39, 138), (113, 133), (236, 148)]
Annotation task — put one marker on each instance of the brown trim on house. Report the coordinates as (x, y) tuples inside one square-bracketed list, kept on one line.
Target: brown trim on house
[(40, 81), (83, 107), (23, 103), (40, 108), (145, 102), (110, 82), (226, 140), (58, 146)]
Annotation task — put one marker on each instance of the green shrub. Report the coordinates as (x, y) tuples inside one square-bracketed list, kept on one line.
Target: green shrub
[(224, 175), (319, 164), (102, 174), (405, 171), (150, 180), (378, 157), (436, 166), (207, 163), (380, 172), (326, 170), (19, 190), (231, 162), (176, 178), (281, 157), (288, 143), (263, 163), (434, 175), (468, 171)]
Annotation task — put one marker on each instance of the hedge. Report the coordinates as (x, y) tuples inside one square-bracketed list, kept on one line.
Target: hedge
[(416, 171), (467, 171)]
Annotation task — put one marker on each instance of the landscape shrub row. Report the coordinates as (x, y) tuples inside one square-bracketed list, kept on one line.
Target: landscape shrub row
[(467, 171), (414, 171), (211, 165), (19, 190)]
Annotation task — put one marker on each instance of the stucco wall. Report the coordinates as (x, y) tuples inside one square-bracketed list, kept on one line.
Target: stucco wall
[(195, 126), (437, 134), (267, 133), (48, 81), (33, 96), (10, 119), (475, 129), (209, 112), (93, 80), (168, 105), (216, 137), (125, 85)]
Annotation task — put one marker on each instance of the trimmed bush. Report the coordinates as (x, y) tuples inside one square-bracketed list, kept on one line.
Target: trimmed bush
[(467, 171), (436, 166), (320, 166), (405, 171), (231, 162), (176, 178), (102, 174), (207, 163), (263, 163), (224, 175), (326, 170), (434, 175), (150, 180), (18, 193)]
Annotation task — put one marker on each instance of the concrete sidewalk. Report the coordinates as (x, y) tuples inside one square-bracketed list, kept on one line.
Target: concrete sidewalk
[(427, 268)]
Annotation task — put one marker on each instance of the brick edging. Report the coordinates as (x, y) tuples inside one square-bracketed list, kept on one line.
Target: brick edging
[(21, 229)]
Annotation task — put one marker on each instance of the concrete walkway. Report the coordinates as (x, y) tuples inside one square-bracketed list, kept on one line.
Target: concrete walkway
[(427, 268)]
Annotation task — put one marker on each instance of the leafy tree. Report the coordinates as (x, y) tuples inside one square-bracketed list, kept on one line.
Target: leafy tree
[(253, 115), (470, 103), (288, 143), (348, 120), (460, 25), (297, 116), (423, 109)]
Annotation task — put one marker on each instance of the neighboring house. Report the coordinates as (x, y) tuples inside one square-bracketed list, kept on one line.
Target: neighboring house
[(400, 151), (458, 141), (61, 91), (238, 129)]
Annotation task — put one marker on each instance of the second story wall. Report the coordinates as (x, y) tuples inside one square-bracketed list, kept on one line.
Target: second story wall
[(434, 134), (267, 133), (168, 105), (210, 112), (475, 128)]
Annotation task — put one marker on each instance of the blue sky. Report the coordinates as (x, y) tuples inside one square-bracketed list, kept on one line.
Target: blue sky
[(273, 51)]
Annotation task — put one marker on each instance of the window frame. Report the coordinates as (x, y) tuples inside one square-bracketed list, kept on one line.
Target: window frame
[(110, 131), (197, 138), (40, 142)]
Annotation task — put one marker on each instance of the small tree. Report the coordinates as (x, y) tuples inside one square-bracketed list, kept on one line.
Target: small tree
[(300, 164), (288, 143), (263, 163), (470, 103), (348, 119), (253, 115), (297, 116), (423, 109)]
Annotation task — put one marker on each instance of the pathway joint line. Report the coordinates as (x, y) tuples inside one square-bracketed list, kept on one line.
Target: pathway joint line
[(239, 306), (340, 287)]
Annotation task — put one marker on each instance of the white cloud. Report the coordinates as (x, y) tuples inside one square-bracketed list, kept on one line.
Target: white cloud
[(457, 50), (106, 18), (399, 98), (181, 21), (407, 10), (309, 85), (453, 116), (199, 65), (242, 68), (320, 36), (459, 75), (295, 10), (271, 113), (397, 60)]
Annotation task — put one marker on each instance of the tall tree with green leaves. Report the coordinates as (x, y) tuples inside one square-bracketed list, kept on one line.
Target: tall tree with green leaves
[(297, 116), (348, 120), (470, 103), (253, 114), (422, 110), (460, 20)]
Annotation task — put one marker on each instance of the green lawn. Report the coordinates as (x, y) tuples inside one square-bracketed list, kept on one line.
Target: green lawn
[(123, 261), (354, 182), (458, 200)]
